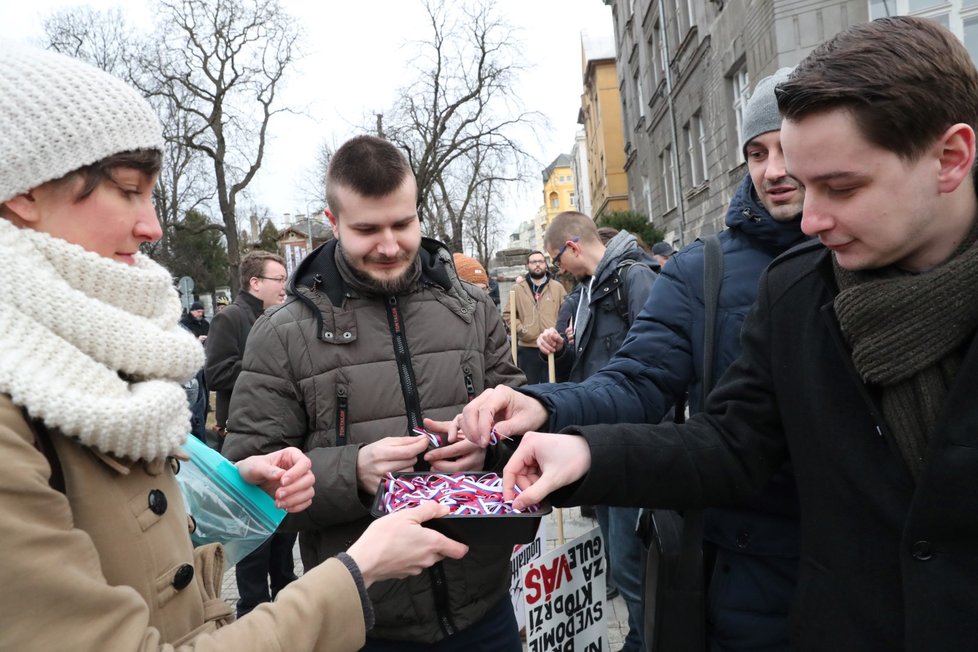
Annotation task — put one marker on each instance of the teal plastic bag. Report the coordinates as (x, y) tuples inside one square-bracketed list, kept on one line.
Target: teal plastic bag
[(225, 508)]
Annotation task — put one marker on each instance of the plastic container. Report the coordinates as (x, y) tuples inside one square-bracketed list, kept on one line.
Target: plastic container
[(475, 529)]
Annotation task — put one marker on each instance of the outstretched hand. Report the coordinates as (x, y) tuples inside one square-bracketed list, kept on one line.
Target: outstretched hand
[(285, 475), (543, 463), (502, 409), (397, 545)]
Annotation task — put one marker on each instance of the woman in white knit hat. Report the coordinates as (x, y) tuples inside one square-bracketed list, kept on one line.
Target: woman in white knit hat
[(94, 545)]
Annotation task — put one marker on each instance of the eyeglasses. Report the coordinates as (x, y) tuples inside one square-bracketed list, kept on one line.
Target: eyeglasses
[(562, 250), (277, 279)]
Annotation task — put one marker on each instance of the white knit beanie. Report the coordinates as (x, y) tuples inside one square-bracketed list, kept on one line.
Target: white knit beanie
[(761, 114), (58, 114)]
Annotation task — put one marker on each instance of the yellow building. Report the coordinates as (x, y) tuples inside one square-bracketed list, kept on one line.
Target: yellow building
[(558, 192), (601, 117)]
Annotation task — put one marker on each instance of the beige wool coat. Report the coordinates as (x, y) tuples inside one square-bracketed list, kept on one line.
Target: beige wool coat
[(108, 564)]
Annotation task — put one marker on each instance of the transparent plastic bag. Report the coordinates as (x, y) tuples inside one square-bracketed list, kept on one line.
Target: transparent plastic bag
[(225, 508)]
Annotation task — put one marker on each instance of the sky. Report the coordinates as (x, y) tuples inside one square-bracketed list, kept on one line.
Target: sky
[(356, 56)]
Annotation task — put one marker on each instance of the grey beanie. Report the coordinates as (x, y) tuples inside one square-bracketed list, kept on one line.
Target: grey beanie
[(58, 114), (761, 114)]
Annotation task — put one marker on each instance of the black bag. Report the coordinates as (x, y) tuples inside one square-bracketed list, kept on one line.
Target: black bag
[(675, 579)]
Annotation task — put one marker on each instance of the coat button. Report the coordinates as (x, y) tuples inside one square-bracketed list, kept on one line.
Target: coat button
[(157, 502), (922, 550), (183, 577), (743, 539)]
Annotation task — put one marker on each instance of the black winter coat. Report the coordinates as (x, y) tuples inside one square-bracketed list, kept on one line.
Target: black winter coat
[(225, 347), (886, 564)]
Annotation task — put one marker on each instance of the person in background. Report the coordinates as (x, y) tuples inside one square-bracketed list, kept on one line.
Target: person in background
[(270, 567), (662, 252), (95, 553), (194, 321), (535, 303), (471, 271)]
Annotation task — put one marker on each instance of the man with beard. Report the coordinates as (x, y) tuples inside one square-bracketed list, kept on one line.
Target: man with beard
[(756, 541), (536, 304), (378, 335), (194, 321)]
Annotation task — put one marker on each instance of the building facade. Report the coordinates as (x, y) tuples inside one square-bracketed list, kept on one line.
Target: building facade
[(579, 169), (685, 69), (558, 194), (601, 115)]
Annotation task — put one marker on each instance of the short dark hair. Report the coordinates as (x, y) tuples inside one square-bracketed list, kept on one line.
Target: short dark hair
[(367, 165), (147, 161), (904, 79), (253, 265)]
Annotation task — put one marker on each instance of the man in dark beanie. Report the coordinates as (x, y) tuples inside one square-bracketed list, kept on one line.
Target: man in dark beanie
[(755, 541), (194, 321)]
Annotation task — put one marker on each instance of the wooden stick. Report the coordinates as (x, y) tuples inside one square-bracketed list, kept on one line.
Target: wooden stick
[(559, 511), (512, 322)]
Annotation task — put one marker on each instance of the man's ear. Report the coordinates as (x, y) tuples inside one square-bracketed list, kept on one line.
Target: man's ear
[(956, 155), (334, 223), (23, 208)]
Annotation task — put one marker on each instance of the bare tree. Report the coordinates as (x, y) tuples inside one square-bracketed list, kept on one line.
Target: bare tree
[(460, 113), (221, 64), (313, 184), (102, 38)]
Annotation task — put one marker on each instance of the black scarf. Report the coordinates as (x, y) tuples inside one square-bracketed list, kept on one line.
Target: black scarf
[(907, 333)]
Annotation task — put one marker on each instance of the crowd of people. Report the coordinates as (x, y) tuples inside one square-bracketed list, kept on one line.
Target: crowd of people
[(824, 342)]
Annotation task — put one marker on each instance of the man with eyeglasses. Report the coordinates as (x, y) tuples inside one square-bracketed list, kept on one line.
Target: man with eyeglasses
[(266, 571), (536, 303)]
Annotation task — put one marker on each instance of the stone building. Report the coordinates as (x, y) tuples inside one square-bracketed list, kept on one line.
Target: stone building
[(685, 69)]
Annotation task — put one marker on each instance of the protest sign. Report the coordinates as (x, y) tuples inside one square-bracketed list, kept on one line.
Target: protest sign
[(564, 592), (523, 555)]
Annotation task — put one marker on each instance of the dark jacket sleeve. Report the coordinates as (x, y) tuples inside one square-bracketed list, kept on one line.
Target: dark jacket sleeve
[(640, 383), (224, 350), (500, 369), (724, 454)]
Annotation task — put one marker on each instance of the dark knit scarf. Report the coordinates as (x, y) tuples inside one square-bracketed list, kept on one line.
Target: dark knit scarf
[(907, 333)]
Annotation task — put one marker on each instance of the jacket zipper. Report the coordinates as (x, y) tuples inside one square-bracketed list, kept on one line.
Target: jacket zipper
[(412, 405)]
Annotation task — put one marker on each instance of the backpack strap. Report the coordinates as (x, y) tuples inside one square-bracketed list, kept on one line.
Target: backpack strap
[(712, 278), (621, 292)]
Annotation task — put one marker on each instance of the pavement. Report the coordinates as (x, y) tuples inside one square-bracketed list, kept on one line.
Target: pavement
[(574, 526)]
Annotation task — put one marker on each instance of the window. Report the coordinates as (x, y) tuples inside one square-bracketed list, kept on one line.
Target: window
[(647, 193), (655, 44), (695, 142), (684, 19), (640, 98), (573, 200), (740, 83), (668, 178), (554, 200), (959, 16)]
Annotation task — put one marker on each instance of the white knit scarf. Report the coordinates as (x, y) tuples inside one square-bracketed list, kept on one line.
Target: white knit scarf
[(92, 347)]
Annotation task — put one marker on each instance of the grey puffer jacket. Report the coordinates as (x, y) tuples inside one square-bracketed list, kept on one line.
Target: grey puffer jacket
[(321, 373)]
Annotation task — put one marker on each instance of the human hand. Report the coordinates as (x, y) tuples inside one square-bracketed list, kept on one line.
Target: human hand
[(569, 331), (550, 341), (397, 545), (463, 455), (503, 408), (387, 455), (543, 463), (285, 475)]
